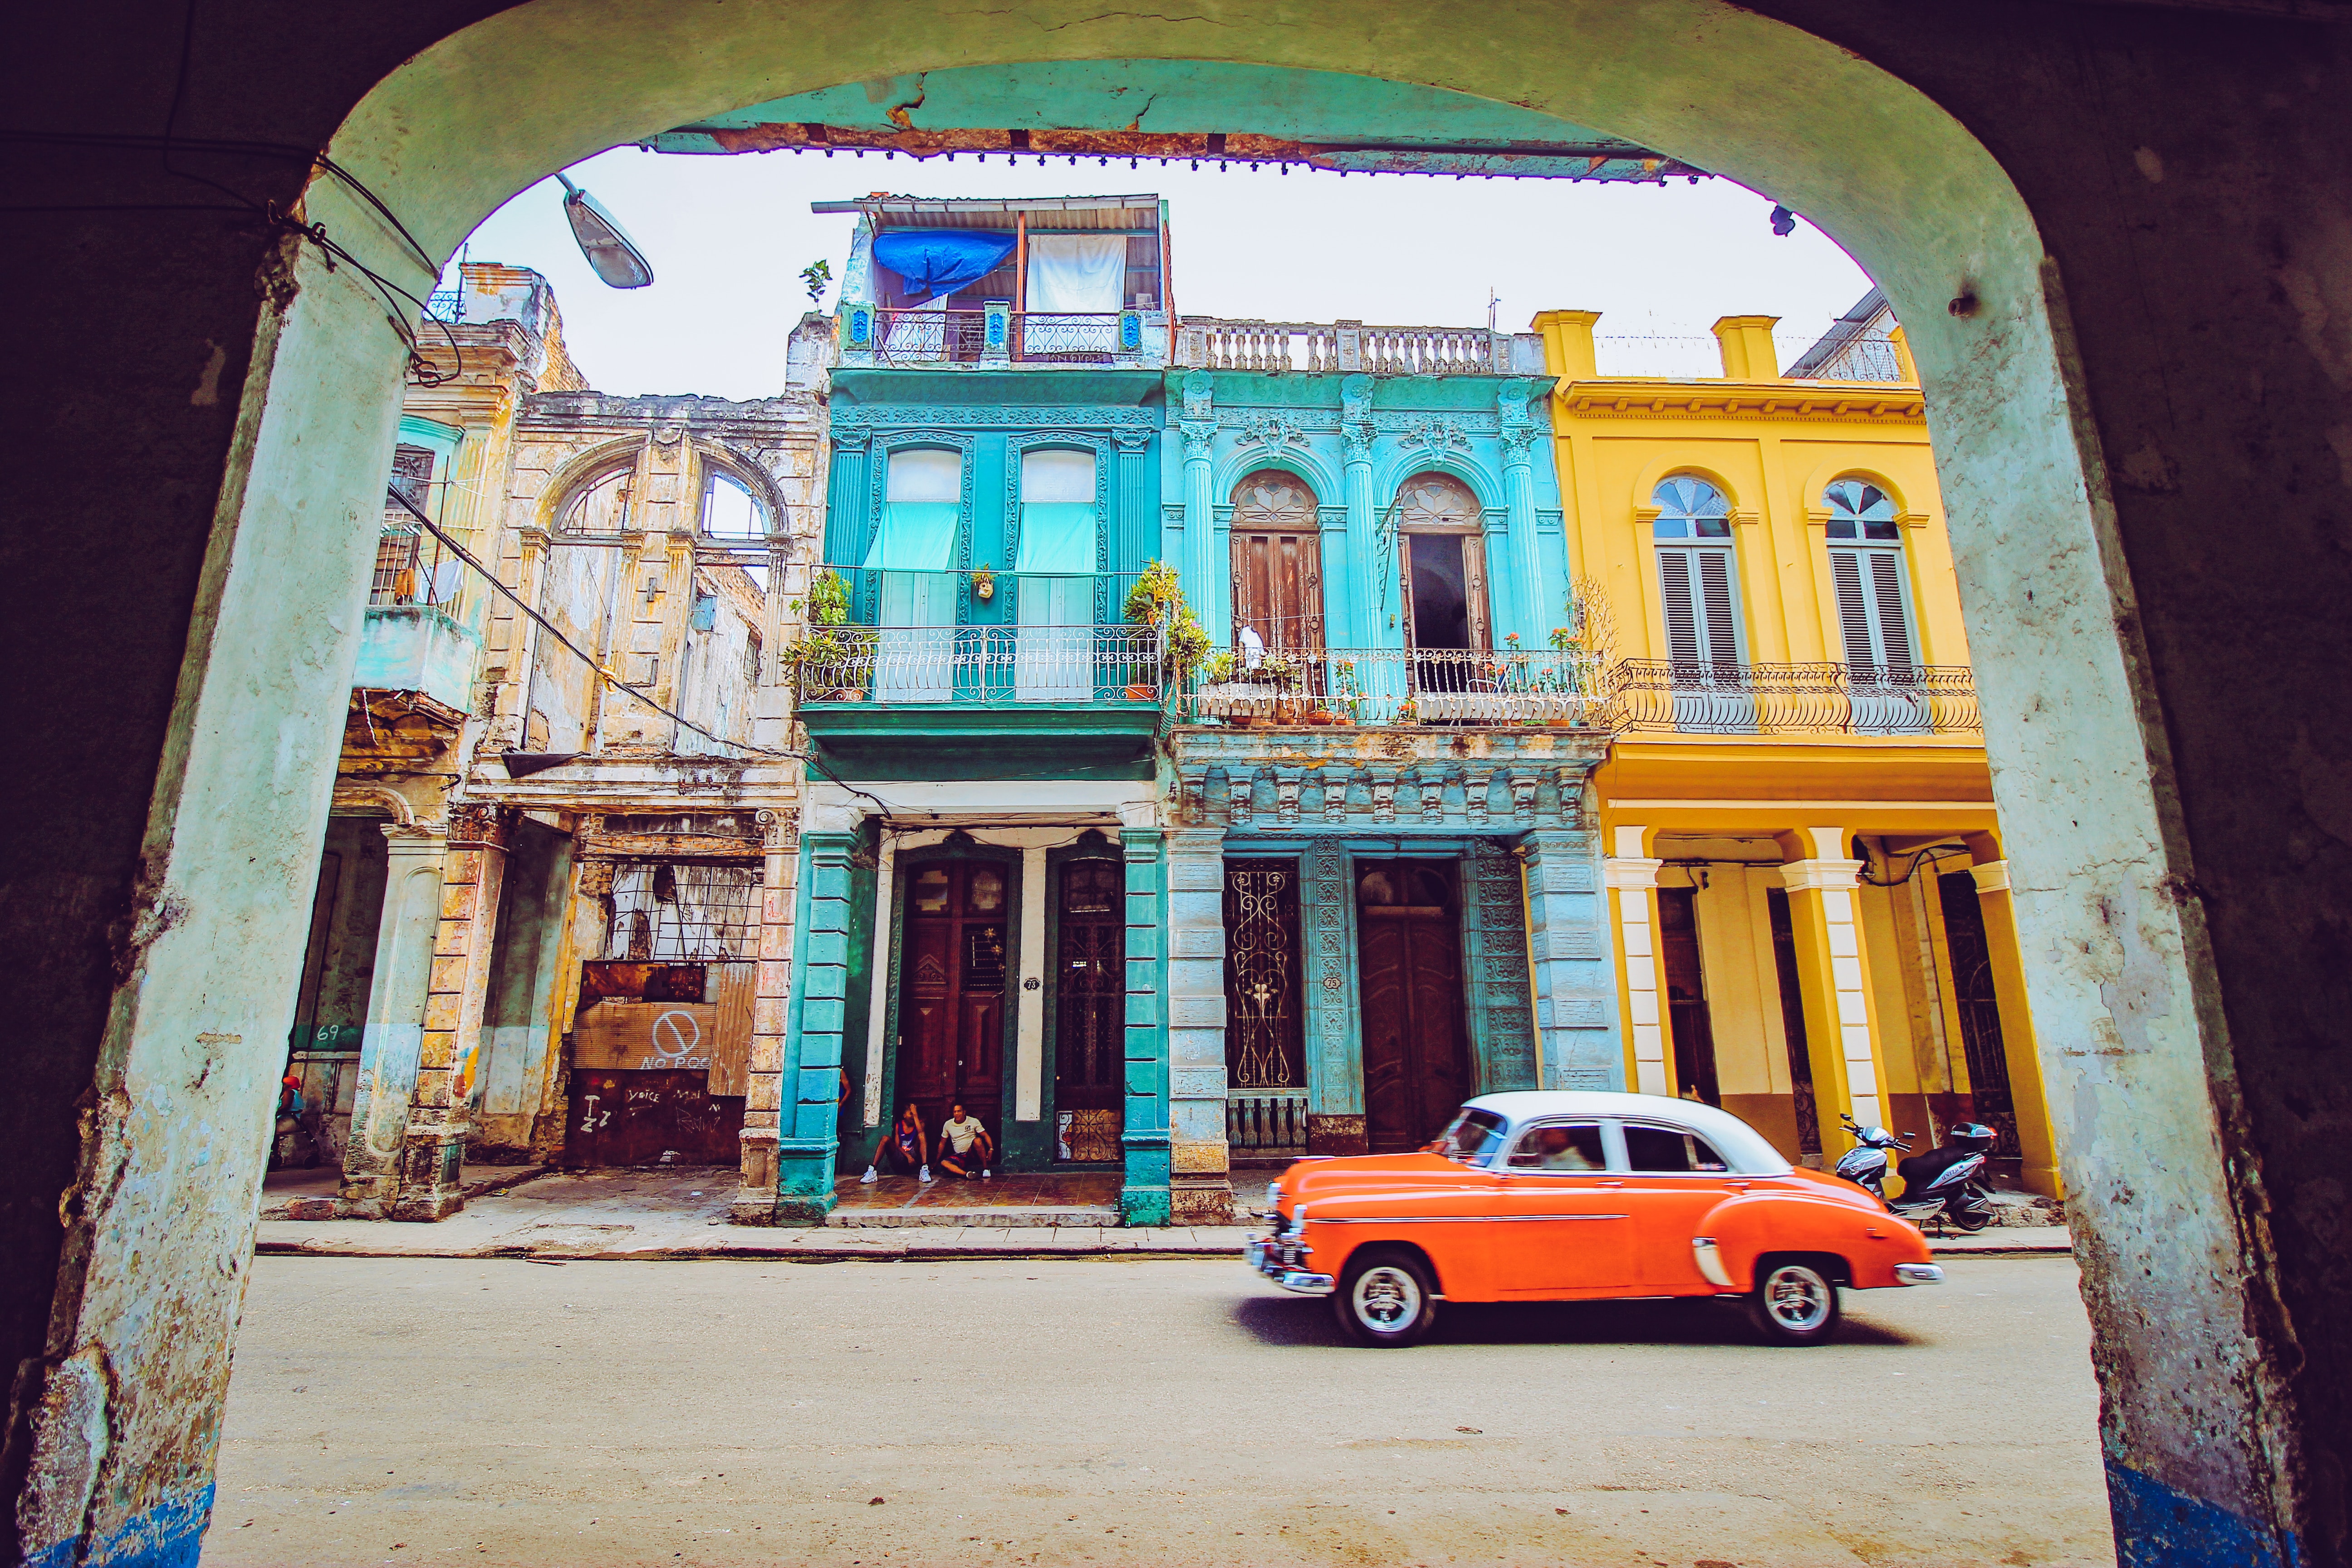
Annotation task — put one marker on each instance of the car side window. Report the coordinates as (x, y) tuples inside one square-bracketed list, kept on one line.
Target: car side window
[(1560, 1146), (1670, 1150)]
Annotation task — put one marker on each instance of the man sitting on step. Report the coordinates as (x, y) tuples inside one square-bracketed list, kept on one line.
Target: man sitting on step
[(969, 1147)]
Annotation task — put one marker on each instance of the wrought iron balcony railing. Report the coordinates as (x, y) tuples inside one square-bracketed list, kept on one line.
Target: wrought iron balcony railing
[(1668, 696), (979, 665), (1394, 686), (874, 335)]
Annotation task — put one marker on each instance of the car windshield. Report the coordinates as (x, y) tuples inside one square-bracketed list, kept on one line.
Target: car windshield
[(1474, 1135)]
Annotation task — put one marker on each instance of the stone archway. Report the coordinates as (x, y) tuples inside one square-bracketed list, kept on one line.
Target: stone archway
[(2121, 975)]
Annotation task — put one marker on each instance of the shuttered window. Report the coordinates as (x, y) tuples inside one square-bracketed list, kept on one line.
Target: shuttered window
[(1695, 580), (1874, 599)]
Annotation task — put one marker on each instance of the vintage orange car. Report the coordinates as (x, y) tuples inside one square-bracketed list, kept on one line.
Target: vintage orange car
[(1569, 1195)]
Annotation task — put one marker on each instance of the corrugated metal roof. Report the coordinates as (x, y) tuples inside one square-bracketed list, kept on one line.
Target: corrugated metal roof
[(992, 212)]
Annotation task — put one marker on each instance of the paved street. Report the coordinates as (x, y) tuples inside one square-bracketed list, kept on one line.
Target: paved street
[(410, 1411)]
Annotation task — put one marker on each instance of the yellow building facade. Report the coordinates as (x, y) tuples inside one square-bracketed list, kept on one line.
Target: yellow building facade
[(1808, 895)]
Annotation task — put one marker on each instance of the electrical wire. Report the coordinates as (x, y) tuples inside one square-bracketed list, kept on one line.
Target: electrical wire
[(604, 673)]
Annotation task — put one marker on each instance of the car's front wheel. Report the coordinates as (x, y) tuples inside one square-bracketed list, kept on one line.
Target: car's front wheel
[(1386, 1297), (1795, 1302)]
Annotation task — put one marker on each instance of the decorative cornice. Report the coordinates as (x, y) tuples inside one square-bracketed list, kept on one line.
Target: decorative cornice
[(1821, 875), (1993, 877), (1640, 398), (1630, 875)]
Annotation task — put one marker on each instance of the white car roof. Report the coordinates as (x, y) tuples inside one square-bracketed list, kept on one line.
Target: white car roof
[(1747, 1149)]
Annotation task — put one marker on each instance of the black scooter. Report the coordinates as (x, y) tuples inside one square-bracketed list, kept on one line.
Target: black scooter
[(1945, 1180)]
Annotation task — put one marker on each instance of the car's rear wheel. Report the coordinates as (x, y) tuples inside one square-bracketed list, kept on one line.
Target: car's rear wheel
[(1795, 1301), (1386, 1297)]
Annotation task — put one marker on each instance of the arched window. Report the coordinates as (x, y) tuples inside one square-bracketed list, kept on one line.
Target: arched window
[(1277, 561), (1443, 552), (1698, 581), (1874, 599), (601, 505), (730, 508)]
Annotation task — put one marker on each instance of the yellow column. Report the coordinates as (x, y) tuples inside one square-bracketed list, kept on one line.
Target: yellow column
[(1632, 880), (1749, 354), (1841, 1031), (2035, 1145)]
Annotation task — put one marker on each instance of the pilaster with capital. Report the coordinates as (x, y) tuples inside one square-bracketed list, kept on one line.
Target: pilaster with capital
[(1520, 432), (433, 1147), (392, 1040), (755, 1199), (1842, 1037), (1200, 1192)]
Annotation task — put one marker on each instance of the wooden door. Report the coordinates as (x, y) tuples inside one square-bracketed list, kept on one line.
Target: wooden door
[(1416, 1031), (1278, 561), (1693, 1027), (952, 992), (1090, 1010)]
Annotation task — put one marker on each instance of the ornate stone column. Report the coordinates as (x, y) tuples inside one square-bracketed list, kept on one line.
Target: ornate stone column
[(587, 930), (1519, 435), (1842, 1034), (1633, 880), (1144, 1197), (755, 1199), (1137, 519), (391, 1044), (1568, 948), (1199, 1184), (1332, 1027), (1203, 583), (1361, 565), (433, 1149), (2029, 1103)]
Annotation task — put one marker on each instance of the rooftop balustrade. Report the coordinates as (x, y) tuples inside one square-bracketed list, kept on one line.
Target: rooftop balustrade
[(1209, 342)]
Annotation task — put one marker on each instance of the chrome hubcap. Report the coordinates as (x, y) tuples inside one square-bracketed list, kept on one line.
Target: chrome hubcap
[(1798, 1298), (1387, 1298)]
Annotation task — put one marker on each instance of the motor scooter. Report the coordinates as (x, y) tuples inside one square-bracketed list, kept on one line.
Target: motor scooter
[(1945, 1182)]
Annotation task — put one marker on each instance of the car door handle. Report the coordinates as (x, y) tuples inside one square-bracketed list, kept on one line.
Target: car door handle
[(1609, 1183)]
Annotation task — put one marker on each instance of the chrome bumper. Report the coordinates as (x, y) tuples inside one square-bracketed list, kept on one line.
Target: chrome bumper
[(1279, 1261), (1918, 1274)]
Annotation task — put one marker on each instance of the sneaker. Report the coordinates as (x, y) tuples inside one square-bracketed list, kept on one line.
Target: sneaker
[(986, 1174), (869, 1177), (926, 1175)]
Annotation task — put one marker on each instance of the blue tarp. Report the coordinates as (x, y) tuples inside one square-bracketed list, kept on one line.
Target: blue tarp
[(936, 261)]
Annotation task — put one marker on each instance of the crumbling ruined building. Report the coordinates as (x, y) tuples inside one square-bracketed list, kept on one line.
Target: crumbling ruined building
[(568, 789)]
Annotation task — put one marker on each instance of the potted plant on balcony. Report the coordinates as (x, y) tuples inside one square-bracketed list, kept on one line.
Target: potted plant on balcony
[(833, 662), (1574, 680), (1157, 600)]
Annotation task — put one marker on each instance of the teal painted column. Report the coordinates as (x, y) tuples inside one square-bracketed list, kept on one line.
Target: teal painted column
[(1136, 529), (1527, 599), (1359, 563), (1143, 1194), (1575, 978), (807, 1142), (1204, 583)]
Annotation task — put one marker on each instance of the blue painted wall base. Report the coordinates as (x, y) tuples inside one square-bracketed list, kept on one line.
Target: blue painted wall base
[(2156, 1527), (169, 1535)]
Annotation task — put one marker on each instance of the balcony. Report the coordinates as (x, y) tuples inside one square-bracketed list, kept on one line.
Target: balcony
[(1053, 697), (1658, 696), (1000, 339), (1401, 686), (411, 641), (1208, 343)]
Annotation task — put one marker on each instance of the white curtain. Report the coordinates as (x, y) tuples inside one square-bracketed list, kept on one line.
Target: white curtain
[(1055, 659), (1073, 275), (914, 549)]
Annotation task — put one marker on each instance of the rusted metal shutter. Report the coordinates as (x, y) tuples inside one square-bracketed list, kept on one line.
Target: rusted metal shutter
[(730, 1045)]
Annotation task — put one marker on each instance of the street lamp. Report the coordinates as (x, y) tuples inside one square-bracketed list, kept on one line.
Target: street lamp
[(613, 255)]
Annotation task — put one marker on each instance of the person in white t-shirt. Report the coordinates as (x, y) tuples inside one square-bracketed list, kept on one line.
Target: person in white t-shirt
[(969, 1147)]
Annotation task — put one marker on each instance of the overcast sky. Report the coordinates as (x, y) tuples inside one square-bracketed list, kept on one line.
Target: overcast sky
[(728, 236)]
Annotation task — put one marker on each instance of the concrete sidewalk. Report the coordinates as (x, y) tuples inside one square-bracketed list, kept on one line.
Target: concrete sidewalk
[(659, 1215)]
